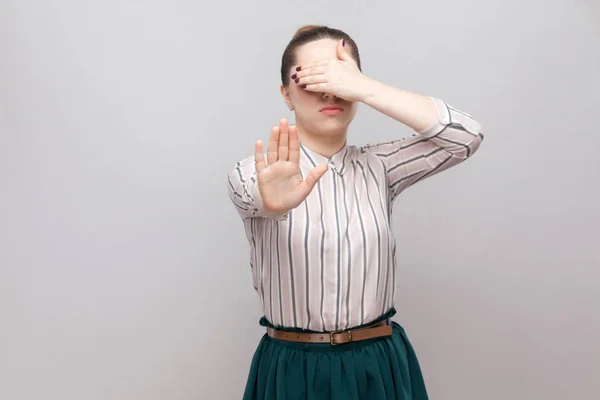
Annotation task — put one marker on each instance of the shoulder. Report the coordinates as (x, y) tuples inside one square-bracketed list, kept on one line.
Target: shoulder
[(367, 154), (372, 151)]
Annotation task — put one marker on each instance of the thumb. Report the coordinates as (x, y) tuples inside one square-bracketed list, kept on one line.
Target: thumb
[(313, 177), (342, 51)]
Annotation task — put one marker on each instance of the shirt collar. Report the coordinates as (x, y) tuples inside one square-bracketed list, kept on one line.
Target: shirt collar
[(337, 162)]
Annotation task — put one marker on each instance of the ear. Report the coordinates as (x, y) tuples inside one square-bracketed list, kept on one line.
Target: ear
[(342, 51), (286, 96)]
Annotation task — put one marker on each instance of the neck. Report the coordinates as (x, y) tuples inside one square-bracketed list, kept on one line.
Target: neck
[(326, 146)]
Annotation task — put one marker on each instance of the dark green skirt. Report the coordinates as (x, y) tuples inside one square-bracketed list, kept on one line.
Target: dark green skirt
[(380, 368)]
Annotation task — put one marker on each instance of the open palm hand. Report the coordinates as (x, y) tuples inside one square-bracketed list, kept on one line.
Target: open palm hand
[(280, 180)]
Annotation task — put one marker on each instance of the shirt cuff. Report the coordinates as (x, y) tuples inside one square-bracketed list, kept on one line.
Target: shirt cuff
[(443, 119)]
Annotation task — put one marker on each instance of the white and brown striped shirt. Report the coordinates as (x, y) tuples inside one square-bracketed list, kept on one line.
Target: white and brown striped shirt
[(330, 263)]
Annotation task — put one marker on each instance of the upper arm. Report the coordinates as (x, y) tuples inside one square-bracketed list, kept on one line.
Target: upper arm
[(454, 137)]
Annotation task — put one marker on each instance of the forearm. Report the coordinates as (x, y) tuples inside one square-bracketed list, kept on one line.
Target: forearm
[(412, 109)]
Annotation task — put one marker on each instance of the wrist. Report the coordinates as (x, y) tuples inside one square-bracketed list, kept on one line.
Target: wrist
[(368, 89)]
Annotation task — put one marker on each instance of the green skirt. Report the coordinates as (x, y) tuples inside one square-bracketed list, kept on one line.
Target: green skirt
[(374, 369)]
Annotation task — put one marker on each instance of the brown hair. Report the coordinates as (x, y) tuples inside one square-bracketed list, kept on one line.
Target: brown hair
[(310, 33)]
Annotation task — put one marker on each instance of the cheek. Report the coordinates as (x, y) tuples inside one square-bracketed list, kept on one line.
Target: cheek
[(306, 99)]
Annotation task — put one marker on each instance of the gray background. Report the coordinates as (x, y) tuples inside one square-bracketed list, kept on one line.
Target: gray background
[(124, 267)]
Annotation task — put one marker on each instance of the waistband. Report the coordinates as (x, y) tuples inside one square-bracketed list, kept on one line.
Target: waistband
[(266, 323)]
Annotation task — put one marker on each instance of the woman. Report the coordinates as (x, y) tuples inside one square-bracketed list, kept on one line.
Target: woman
[(317, 215)]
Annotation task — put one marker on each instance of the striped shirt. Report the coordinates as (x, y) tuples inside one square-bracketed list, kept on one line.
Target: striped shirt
[(330, 263)]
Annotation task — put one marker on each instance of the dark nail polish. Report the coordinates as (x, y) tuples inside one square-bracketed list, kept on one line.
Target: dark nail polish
[(303, 86), (298, 68), (297, 80), (294, 76)]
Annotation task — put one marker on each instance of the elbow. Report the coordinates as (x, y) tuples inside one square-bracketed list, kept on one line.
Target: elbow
[(235, 188), (465, 149), (475, 132), (476, 143), (477, 129)]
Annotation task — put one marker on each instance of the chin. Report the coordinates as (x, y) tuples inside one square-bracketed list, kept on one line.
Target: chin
[(329, 129), (333, 126)]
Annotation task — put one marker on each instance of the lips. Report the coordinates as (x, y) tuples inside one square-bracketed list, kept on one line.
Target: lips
[(332, 108)]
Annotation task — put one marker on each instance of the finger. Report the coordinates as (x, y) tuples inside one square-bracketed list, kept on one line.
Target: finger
[(283, 140), (312, 79), (313, 177), (310, 71), (318, 87), (312, 64), (273, 150), (259, 157), (294, 145), (342, 51)]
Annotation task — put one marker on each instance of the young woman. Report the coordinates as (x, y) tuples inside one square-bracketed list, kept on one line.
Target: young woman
[(317, 215)]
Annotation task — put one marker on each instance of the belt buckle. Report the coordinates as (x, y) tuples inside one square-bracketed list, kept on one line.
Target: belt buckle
[(332, 340)]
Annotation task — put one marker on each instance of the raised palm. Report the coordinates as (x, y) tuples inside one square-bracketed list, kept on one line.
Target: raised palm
[(280, 181)]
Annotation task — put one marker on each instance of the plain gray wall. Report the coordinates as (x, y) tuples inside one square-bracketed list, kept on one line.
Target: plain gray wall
[(124, 267)]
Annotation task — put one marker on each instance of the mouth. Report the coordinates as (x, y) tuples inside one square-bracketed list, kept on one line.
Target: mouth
[(331, 109)]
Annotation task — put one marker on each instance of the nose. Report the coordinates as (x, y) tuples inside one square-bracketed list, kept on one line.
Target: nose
[(328, 96)]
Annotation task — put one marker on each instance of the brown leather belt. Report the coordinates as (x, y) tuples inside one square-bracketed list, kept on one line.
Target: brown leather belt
[(336, 337)]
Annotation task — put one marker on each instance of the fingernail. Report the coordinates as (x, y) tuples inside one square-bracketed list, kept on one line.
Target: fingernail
[(294, 76), (344, 42), (303, 86), (298, 68), (297, 80)]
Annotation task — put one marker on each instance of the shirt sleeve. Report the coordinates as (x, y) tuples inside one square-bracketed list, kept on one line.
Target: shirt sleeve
[(243, 191), (454, 137)]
